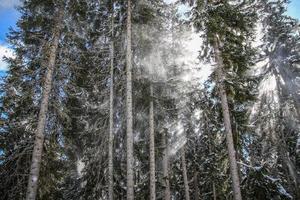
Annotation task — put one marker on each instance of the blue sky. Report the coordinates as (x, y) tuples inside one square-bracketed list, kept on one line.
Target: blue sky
[(294, 8), (9, 16)]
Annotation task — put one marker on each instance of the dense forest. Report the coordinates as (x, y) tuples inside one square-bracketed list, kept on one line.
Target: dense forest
[(151, 99)]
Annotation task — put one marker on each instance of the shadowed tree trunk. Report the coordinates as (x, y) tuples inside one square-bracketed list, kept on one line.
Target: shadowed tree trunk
[(129, 130), (227, 122), (214, 191), (184, 173), (111, 113), (196, 186), (166, 181), (152, 147), (39, 134)]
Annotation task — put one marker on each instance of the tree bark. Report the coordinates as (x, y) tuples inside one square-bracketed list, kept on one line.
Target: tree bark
[(152, 147), (197, 192), (226, 116), (129, 130), (184, 171), (214, 191), (39, 134), (167, 191), (111, 113)]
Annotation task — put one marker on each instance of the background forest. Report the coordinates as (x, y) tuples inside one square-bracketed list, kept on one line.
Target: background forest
[(151, 99)]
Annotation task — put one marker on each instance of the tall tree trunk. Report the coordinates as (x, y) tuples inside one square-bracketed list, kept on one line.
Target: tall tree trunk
[(197, 192), (166, 181), (214, 191), (152, 147), (184, 171), (129, 131), (39, 134), (111, 114), (226, 116)]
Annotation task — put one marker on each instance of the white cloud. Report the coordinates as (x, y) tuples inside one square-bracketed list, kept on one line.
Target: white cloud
[(4, 51), (8, 4)]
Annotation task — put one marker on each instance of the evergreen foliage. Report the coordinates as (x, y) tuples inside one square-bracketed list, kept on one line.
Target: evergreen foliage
[(261, 83)]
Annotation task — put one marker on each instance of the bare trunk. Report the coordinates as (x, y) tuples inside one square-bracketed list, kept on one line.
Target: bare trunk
[(111, 114), (184, 171), (39, 135), (226, 116), (214, 191), (166, 181), (129, 131), (152, 147), (197, 192), (297, 158)]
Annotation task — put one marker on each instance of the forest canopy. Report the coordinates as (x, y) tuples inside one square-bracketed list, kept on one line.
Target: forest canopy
[(151, 99)]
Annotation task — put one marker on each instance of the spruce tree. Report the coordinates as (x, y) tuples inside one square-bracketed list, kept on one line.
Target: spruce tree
[(39, 137), (228, 28), (123, 116), (36, 44), (276, 111)]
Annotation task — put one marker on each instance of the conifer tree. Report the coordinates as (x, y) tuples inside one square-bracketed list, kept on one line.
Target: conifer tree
[(227, 28), (39, 137), (107, 90), (89, 90), (36, 45), (277, 108)]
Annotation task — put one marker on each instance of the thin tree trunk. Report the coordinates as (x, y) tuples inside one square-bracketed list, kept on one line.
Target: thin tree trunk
[(297, 160), (111, 114), (184, 171), (167, 191), (197, 192), (152, 147), (211, 149), (214, 191), (129, 130), (226, 116), (39, 134)]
